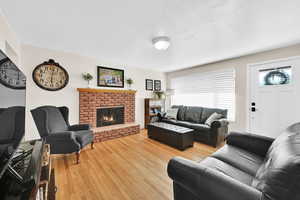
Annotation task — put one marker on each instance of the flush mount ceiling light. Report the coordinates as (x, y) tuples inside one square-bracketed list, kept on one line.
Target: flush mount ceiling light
[(161, 43)]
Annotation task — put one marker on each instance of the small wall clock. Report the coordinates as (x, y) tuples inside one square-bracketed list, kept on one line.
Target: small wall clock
[(50, 76), (10, 75)]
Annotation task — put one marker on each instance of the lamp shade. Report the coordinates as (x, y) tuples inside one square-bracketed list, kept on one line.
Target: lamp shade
[(170, 92)]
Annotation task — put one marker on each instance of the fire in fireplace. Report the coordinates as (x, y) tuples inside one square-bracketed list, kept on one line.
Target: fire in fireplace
[(107, 116)]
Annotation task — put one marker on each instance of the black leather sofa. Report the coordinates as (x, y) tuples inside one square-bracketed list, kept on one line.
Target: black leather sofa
[(248, 167), (195, 117)]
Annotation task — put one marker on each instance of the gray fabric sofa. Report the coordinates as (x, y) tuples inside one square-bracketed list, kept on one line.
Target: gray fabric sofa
[(194, 117)]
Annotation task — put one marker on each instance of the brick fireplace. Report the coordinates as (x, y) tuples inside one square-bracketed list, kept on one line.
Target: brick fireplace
[(93, 101), (111, 115)]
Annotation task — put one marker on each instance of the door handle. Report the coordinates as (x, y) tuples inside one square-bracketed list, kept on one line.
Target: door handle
[(253, 109)]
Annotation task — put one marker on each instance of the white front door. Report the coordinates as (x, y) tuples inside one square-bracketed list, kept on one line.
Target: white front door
[(274, 96)]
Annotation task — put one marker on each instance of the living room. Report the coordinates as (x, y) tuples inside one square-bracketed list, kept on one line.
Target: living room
[(149, 100)]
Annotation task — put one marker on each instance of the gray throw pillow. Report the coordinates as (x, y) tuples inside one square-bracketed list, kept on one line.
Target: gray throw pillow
[(172, 113), (213, 117)]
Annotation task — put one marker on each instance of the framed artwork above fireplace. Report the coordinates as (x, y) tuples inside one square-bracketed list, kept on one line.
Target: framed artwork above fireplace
[(110, 77)]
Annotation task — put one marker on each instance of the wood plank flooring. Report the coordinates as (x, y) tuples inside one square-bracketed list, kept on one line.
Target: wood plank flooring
[(129, 168)]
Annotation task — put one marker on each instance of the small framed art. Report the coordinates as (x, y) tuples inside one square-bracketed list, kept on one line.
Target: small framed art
[(149, 84), (157, 85)]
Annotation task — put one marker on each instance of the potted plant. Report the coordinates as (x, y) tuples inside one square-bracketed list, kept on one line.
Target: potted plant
[(129, 82), (159, 94), (87, 77)]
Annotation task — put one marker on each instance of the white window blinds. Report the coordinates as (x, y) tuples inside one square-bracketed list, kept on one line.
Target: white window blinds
[(210, 89)]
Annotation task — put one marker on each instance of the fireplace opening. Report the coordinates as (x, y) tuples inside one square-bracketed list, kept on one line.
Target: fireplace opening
[(107, 116)]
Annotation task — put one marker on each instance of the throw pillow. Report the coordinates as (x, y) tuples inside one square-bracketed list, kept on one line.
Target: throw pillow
[(172, 113), (213, 117)]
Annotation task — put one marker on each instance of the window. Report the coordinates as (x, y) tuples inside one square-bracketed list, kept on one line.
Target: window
[(210, 89), (275, 76)]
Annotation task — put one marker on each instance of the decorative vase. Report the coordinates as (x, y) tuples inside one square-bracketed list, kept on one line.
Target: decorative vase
[(129, 86), (89, 85)]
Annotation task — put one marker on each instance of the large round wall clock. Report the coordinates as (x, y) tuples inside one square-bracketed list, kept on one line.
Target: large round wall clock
[(10, 75), (50, 76)]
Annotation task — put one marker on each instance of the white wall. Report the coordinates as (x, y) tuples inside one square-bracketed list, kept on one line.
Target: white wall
[(76, 65), (10, 45), (240, 65), (27, 57), (9, 42), (10, 97)]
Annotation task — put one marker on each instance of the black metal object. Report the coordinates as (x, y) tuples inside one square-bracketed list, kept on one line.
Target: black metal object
[(107, 116)]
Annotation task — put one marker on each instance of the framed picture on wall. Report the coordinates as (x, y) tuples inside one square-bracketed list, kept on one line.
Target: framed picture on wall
[(110, 77), (157, 85), (149, 84)]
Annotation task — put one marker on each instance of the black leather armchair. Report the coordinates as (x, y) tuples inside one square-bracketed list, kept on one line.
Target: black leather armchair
[(53, 126), (248, 167)]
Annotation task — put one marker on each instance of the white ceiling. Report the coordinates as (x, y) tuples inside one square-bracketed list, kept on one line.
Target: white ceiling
[(120, 31)]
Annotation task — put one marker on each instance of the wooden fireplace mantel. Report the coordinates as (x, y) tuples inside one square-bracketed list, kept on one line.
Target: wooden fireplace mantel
[(95, 90)]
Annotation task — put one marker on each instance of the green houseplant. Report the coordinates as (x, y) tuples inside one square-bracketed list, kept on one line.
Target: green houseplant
[(129, 82), (87, 77), (159, 94)]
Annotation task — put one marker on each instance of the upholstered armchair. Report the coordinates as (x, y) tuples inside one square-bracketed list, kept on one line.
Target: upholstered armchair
[(53, 126), (12, 123)]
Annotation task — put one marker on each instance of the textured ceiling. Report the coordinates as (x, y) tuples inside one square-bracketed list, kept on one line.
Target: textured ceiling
[(120, 31)]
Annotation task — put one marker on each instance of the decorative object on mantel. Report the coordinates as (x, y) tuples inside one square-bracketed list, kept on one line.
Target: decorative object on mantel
[(159, 94), (109, 77), (129, 82), (87, 77), (50, 76), (149, 84), (157, 85)]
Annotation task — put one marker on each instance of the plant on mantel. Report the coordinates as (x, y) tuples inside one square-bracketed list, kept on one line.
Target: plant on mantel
[(159, 94), (87, 77), (129, 82)]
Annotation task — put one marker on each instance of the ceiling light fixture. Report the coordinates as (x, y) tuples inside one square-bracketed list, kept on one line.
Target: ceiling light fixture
[(161, 42)]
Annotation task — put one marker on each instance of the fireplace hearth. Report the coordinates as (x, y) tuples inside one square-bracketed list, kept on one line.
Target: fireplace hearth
[(107, 116)]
